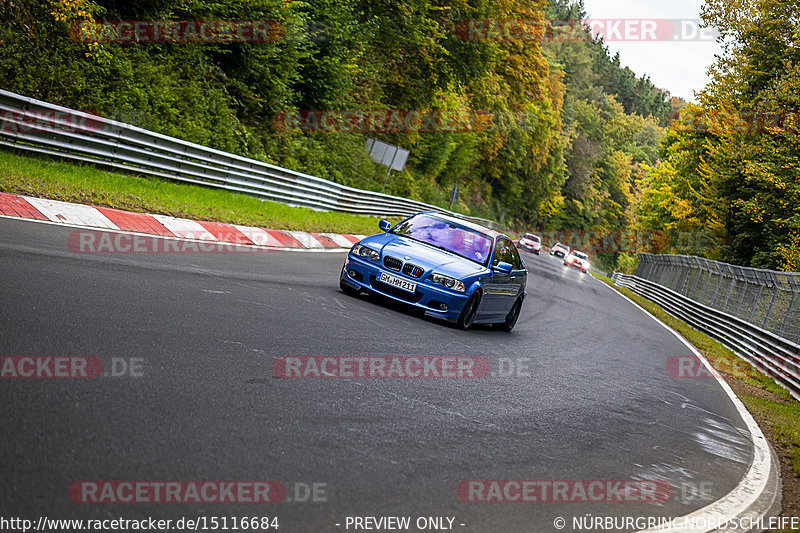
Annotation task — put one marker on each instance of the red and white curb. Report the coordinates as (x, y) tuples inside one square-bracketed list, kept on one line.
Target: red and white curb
[(104, 218)]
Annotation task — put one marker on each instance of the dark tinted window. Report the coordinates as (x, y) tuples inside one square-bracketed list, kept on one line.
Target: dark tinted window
[(507, 253), (516, 262)]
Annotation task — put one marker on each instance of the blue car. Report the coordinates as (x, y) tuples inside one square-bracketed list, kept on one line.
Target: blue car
[(447, 267)]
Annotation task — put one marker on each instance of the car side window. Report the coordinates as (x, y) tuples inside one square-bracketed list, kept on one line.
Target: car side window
[(506, 252), (515, 259), (499, 250)]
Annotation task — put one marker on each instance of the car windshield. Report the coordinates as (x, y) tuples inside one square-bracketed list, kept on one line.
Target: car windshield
[(447, 235), (580, 255), (531, 237)]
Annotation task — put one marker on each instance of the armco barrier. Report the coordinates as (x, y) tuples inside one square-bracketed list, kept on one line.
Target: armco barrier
[(44, 128), (770, 353), (765, 298)]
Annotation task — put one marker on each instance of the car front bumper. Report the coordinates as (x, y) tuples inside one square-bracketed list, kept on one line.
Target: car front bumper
[(427, 297)]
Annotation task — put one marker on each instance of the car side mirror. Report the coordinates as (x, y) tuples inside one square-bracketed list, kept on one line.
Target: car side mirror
[(385, 225), (504, 267)]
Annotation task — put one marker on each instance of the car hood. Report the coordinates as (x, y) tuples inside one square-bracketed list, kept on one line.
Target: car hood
[(423, 255)]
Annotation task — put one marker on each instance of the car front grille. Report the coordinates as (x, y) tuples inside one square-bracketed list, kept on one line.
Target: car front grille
[(413, 270), (392, 263)]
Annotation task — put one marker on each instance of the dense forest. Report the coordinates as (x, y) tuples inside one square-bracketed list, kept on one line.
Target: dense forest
[(541, 131), (729, 174)]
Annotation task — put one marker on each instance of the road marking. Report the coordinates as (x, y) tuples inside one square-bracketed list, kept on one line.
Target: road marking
[(745, 495)]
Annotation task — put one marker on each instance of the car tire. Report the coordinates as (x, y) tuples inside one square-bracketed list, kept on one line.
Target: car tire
[(469, 311), (513, 315)]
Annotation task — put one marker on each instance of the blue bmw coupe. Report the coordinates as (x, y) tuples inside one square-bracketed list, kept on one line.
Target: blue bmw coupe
[(448, 267)]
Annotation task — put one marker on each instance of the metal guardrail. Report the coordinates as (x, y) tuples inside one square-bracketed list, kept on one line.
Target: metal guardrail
[(768, 352), (765, 298), (40, 127)]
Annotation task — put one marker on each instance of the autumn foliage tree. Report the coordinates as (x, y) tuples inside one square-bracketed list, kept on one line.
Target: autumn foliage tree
[(730, 170)]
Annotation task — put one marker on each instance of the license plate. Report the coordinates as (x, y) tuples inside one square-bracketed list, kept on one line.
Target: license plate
[(397, 282)]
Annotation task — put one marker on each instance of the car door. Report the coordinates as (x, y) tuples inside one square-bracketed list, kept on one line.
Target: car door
[(498, 289), (518, 277), (513, 282)]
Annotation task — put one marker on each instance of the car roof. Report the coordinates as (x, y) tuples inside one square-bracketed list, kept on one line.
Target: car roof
[(466, 223)]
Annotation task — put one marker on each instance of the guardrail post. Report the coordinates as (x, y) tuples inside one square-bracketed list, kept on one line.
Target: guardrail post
[(730, 290), (644, 267), (771, 304), (674, 274), (687, 265), (716, 291), (755, 301), (788, 312), (705, 286), (676, 283), (741, 298), (699, 274)]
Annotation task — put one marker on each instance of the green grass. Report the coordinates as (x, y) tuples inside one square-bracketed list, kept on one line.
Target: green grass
[(777, 409), (86, 184)]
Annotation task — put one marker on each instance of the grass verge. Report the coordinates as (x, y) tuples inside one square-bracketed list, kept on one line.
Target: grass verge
[(87, 184), (777, 413)]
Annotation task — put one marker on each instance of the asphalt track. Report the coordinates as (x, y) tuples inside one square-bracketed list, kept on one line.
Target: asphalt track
[(589, 398)]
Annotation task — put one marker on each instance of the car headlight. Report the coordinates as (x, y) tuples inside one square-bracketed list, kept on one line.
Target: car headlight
[(448, 282), (366, 253)]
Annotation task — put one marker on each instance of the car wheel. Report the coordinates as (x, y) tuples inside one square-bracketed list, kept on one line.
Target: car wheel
[(513, 315), (469, 311)]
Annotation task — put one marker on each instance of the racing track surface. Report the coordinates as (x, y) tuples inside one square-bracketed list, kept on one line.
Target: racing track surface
[(596, 402)]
